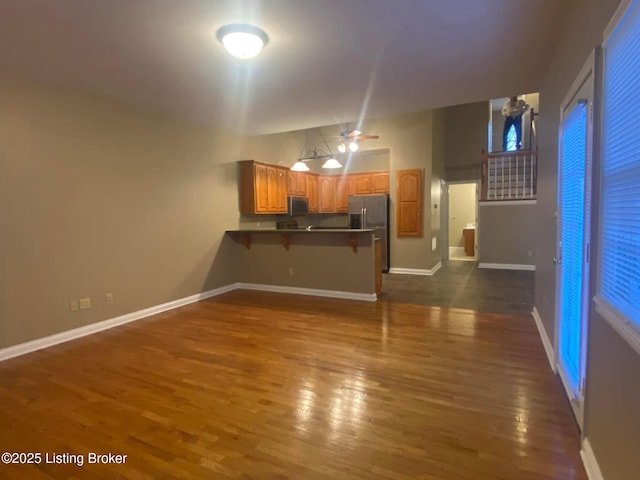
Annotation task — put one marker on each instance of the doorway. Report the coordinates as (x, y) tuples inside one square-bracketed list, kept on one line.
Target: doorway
[(574, 240), (462, 221)]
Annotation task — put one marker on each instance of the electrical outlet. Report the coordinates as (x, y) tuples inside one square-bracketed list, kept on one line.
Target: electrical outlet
[(85, 303), (73, 305), (108, 297), (530, 253), (291, 271)]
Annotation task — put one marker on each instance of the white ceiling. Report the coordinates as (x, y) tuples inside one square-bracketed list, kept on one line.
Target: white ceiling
[(327, 61)]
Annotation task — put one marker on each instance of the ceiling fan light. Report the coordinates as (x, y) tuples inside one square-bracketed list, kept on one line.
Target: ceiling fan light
[(332, 163), (353, 146), (242, 41), (299, 166), (342, 147)]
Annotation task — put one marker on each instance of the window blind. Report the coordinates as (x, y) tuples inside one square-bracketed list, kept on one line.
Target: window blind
[(620, 214), (572, 223)]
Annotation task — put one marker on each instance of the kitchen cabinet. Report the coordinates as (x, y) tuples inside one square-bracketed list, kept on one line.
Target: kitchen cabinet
[(362, 183), (312, 192), (343, 190), (327, 194), (409, 201), (296, 184), (380, 182), (469, 241), (263, 188)]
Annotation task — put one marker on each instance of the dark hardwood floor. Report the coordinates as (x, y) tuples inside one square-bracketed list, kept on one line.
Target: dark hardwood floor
[(268, 386), (463, 285)]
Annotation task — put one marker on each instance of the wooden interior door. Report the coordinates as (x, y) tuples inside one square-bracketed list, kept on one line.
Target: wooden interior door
[(409, 201)]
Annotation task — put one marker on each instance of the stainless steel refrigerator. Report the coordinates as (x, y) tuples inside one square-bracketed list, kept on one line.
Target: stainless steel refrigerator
[(372, 211)]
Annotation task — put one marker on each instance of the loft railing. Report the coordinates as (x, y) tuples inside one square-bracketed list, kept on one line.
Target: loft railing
[(509, 175)]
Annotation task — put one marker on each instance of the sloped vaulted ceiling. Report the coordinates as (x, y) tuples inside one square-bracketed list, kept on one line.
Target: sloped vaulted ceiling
[(327, 61)]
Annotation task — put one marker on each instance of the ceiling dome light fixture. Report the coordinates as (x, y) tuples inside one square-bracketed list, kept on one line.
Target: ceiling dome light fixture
[(242, 41)]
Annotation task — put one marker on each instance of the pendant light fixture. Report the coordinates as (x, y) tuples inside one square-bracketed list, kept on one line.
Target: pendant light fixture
[(316, 154), (242, 41)]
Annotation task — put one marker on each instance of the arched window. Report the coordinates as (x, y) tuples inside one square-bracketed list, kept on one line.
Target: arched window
[(511, 139)]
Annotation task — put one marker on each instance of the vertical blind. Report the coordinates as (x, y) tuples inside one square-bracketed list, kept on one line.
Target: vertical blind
[(572, 223), (620, 258)]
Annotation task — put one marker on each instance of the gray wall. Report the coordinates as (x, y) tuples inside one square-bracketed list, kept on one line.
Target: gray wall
[(319, 260), (465, 136), (96, 197), (506, 234), (612, 424)]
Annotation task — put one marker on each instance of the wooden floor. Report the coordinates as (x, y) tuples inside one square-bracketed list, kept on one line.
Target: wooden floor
[(269, 386)]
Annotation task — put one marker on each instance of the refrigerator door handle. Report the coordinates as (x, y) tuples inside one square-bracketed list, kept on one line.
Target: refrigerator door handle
[(364, 218)]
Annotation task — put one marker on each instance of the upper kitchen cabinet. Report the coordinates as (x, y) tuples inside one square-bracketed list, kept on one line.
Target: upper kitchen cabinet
[(380, 182), (263, 188), (327, 194), (369, 183), (344, 188), (312, 192), (409, 200), (362, 183), (296, 184)]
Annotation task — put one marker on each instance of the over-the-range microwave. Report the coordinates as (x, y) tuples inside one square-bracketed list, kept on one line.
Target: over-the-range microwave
[(297, 206)]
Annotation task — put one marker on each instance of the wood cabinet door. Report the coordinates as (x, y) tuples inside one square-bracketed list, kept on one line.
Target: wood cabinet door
[(380, 181), (279, 204), (343, 190), (362, 183), (296, 183), (292, 182), (261, 188), (409, 201), (312, 193), (327, 194)]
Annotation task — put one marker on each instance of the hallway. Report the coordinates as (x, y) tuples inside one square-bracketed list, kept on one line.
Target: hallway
[(464, 285)]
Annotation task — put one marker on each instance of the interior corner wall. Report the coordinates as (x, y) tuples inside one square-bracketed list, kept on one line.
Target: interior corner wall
[(96, 197), (613, 367)]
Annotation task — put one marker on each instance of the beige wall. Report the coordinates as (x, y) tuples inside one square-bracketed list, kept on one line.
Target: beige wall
[(319, 260), (466, 133), (613, 368), (506, 234), (96, 198), (437, 178), (462, 210)]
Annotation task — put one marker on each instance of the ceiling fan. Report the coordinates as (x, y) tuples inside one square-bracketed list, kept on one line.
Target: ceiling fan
[(350, 140)]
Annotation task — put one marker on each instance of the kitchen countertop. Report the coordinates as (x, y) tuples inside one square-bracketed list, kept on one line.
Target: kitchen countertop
[(303, 230)]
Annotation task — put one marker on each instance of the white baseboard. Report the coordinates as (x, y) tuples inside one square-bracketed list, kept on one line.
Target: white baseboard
[(546, 343), (507, 266), (40, 343), (62, 337), (367, 297), (417, 271), (590, 462)]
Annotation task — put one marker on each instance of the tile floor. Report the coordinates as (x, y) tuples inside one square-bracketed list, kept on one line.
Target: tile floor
[(464, 285)]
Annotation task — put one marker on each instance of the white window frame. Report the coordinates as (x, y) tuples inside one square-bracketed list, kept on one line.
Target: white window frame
[(620, 323)]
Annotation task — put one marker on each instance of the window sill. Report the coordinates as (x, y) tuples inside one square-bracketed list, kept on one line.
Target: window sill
[(619, 322)]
